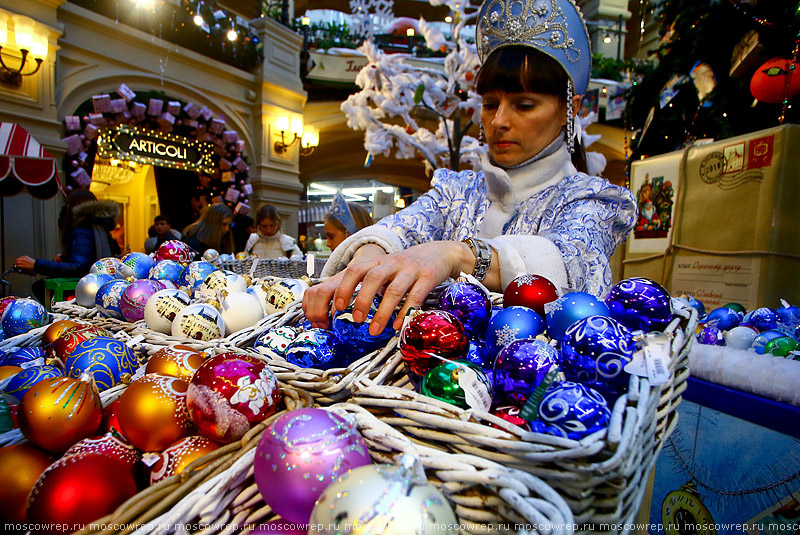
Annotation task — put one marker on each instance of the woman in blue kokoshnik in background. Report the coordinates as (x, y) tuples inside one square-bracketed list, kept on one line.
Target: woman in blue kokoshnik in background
[(531, 209)]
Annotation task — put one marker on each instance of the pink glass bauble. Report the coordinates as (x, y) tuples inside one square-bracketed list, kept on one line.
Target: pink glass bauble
[(135, 296)]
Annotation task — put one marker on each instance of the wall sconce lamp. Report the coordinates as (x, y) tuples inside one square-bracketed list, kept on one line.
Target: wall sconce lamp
[(310, 140), (308, 136), (31, 40)]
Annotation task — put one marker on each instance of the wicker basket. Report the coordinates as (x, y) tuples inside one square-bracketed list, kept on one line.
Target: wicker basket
[(93, 316), (32, 337), (271, 267), (602, 476)]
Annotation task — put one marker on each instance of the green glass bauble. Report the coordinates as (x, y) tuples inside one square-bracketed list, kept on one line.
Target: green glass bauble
[(781, 346), (736, 307), (441, 382)]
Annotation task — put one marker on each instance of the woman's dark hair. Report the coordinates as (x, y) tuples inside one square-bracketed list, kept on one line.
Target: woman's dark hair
[(208, 228), (66, 219), (268, 211), (518, 69)]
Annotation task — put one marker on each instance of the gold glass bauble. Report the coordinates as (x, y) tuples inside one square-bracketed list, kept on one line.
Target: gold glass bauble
[(55, 330), (177, 361), (20, 467), (180, 455)]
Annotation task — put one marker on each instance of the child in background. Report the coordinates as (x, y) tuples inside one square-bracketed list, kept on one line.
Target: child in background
[(268, 241)]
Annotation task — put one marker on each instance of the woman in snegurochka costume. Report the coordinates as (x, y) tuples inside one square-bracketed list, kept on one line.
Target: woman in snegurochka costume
[(531, 209)]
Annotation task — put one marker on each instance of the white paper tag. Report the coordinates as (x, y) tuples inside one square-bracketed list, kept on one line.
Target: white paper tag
[(149, 459), (657, 358), (310, 264), (476, 393), (253, 267), (135, 340), (637, 365), (34, 362)]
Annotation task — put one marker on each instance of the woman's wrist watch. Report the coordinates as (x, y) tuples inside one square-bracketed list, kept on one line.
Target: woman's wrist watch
[(483, 257)]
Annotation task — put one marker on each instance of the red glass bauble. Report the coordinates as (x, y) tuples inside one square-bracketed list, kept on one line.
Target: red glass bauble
[(531, 291), (5, 301), (231, 392), (56, 329), (511, 414), (175, 250), (110, 421), (56, 413), (180, 455), (152, 412), (768, 83), (77, 490), (178, 361), (436, 332), (20, 467), (73, 336), (108, 445)]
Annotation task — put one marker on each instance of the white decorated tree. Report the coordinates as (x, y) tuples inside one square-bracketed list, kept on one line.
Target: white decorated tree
[(408, 110)]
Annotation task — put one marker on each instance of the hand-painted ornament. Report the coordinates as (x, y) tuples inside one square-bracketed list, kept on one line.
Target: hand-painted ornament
[(478, 353), (56, 329), (108, 298), (134, 266), (711, 336), (354, 337), (740, 337), (512, 323), (162, 308), (230, 393), (106, 266), (781, 346), (168, 285), (259, 291), (316, 348), (25, 379), (640, 304), (135, 296), (86, 288), (24, 357), (194, 275), (108, 445), (531, 291), (21, 316), (432, 332), (571, 410), (520, 367), (469, 303), (300, 454), (211, 255), (283, 293), (168, 270), (386, 499), (274, 342), (511, 414), (77, 490), (73, 336), (240, 310), (762, 339), (175, 250), (697, 305), (571, 307), (152, 412), (106, 359), (789, 315), (20, 467), (199, 322), (177, 361), (594, 352), (763, 319), (221, 281), (775, 80), (724, 318), (736, 307), (56, 413), (442, 383), (175, 458)]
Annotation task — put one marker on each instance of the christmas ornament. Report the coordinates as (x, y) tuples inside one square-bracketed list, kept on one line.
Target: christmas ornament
[(571, 410), (21, 382), (781, 346), (259, 291), (23, 357), (723, 318), (22, 315), (531, 291), (711, 336), (167, 285), (511, 414), (107, 299), (685, 507), (775, 80), (166, 270), (106, 266), (316, 348), (274, 342), (176, 361), (762, 339), (108, 445), (478, 353), (283, 293), (445, 382), (736, 307), (162, 307), (225, 257), (354, 337), (179, 455), (73, 336), (241, 255), (199, 322), (221, 281), (152, 412), (512, 323), (433, 332), (594, 352), (300, 454), (56, 413), (135, 296), (106, 359), (763, 319), (175, 250), (469, 303), (520, 367), (231, 392), (789, 315), (740, 337), (240, 310), (134, 266), (8, 371), (77, 490), (640, 304), (211, 255), (20, 467), (570, 308), (194, 275), (56, 329), (4, 302), (86, 288), (386, 499), (697, 305)]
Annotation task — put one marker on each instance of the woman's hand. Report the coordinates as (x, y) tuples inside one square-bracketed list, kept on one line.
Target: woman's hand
[(25, 264)]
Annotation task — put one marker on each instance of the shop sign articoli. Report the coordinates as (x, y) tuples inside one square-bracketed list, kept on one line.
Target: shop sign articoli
[(145, 146)]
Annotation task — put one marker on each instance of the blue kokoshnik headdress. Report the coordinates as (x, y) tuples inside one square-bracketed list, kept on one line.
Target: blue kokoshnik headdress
[(340, 210)]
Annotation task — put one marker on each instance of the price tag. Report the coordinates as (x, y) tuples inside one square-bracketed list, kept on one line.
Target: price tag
[(253, 267), (530, 410), (149, 459), (637, 365), (135, 340), (35, 362), (310, 265), (476, 393), (652, 359)]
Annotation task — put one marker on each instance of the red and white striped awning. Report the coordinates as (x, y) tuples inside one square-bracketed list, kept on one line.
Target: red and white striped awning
[(22, 158)]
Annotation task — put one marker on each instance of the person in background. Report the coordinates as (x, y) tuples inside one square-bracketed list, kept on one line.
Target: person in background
[(268, 241), (211, 231), (164, 232), (243, 226), (344, 219)]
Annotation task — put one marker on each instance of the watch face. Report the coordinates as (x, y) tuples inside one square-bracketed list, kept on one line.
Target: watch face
[(683, 513)]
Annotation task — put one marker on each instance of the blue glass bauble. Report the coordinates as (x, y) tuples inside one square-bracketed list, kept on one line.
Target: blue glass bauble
[(479, 354), (571, 410), (274, 342), (640, 304), (315, 348), (104, 358), (512, 323), (22, 315), (711, 336), (723, 318), (354, 337), (166, 270), (108, 298), (571, 307), (519, 368), (594, 352), (470, 304), (194, 274), (789, 315), (134, 266), (23, 356), (762, 339), (763, 319), (20, 383), (697, 305)]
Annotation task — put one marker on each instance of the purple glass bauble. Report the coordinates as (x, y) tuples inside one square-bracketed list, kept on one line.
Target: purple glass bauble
[(300, 454), (519, 368), (354, 338), (315, 348), (594, 352), (640, 304), (763, 319), (512, 323), (711, 336), (135, 296), (478, 353), (108, 296), (166, 270), (571, 410), (723, 318), (470, 304), (571, 307)]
